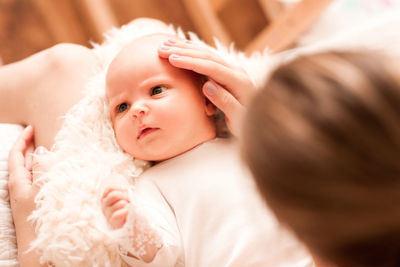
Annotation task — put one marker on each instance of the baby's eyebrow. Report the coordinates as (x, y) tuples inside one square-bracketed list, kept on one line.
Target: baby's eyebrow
[(112, 103), (112, 99)]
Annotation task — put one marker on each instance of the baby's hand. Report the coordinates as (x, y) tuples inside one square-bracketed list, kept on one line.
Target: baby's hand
[(115, 206), (230, 87), (144, 239)]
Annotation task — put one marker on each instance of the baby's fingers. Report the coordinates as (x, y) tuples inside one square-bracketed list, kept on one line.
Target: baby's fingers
[(112, 195), (108, 210), (118, 218), (116, 213)]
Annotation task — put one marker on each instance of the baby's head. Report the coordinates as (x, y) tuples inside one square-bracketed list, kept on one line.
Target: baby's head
[(157, 111), (322, 140)]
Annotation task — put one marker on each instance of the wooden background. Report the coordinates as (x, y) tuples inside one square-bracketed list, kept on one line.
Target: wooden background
[(28, 26)]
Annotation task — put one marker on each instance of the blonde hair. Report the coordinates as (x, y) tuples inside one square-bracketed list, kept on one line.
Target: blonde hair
[(322, 140)]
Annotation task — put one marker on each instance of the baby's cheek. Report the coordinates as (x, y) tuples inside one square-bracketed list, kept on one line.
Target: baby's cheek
[(126, 138), (120, 134)]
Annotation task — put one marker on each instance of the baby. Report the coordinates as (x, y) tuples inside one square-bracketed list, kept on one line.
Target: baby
[(157, 111), (206, 214)]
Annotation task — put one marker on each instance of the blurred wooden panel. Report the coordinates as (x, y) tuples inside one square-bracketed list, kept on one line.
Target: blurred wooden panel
[(97, 16), (284, 31), (243, 19), (272, 9), (61, 20), (254, 25), (206, 22), (169, 11), (22, 32), (28, 26)]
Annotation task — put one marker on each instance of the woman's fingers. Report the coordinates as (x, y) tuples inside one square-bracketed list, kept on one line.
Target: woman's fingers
[(230, 87), (205, 61), (190, 50), (28, 155), (215, 71), (19, 171), (19, 149), (227, 103), (20, 188)]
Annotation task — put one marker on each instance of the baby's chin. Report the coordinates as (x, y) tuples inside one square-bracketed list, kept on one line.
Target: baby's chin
[(164, 150), (160, 156), (166, 155)]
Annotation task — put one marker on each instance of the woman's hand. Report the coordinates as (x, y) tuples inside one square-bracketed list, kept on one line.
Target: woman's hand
[(21, 190), (22, 193), (229, 87)]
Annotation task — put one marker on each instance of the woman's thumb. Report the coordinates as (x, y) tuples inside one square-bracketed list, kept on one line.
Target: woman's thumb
[(221, 98), (226, 102)]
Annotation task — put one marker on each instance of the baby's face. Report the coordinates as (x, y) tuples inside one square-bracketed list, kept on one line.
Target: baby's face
[(157, 110)]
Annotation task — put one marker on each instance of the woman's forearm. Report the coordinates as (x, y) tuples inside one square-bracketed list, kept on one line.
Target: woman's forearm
[(25, 235)]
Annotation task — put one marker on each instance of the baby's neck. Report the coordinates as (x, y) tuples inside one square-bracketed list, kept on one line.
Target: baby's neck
[(152, 163)]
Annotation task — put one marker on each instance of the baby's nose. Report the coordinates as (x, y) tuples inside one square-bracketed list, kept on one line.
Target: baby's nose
[(139, 111)]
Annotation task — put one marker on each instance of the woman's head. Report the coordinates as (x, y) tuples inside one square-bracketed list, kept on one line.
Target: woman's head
[(322, 140), (157, 110)]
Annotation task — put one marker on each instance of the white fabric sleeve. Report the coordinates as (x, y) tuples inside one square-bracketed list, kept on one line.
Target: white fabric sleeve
[(159, 228)]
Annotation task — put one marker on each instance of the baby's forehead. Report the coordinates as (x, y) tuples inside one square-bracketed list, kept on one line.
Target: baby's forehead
[(137, 54), (151, 40), (143, 47)]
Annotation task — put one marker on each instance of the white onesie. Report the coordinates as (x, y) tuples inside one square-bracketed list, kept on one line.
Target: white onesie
[(210, 214)]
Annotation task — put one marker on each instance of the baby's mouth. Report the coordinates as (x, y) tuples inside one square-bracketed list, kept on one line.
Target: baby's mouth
[(146, 131)]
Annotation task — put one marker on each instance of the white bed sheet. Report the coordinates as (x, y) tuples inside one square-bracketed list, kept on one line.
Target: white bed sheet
[(8, 244)]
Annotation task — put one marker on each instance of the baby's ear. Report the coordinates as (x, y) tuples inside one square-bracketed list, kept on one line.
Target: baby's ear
[(209, 107)]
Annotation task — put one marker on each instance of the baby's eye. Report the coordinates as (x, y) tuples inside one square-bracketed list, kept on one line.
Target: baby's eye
[(122, 107), (158, 90)]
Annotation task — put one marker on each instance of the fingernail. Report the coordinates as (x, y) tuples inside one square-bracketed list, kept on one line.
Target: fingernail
[(40, 150), (165, 48), (171, 41), (174, 56), (210, 89)]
